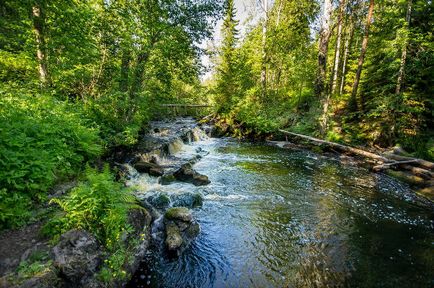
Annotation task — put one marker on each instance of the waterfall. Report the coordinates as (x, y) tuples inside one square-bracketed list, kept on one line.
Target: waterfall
[(175, 146)]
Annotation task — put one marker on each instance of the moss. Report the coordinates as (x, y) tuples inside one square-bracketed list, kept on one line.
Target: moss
[(177, 213)]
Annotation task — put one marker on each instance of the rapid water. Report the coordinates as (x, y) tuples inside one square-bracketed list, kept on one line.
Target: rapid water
[(279, 218)]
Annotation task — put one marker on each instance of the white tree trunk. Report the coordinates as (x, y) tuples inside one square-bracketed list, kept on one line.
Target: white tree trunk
[(338, 47), (322, 63), (264, 4), (38, 28), (346, 53), (404, 51)]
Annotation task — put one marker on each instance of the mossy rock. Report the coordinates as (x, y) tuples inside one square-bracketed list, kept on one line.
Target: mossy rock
[(173, 237), (193, 230), (160, 200), (179, 213), (167, 179)]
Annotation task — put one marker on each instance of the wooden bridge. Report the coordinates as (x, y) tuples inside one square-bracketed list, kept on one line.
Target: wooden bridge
[(186, 109)]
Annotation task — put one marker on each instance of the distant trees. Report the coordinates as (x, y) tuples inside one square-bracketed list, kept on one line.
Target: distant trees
[(227, 78), (337, 86)]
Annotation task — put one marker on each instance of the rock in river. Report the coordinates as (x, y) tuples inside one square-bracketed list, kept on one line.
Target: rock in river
[(187, 174), (150, 168), (181, 229), (190, 200)]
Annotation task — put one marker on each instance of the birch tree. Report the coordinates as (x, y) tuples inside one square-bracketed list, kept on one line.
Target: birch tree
[(404, 49), (362, 54)]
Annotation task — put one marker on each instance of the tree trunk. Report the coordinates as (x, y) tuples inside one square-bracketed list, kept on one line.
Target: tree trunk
[(346, 53), (125, 70), (136, 86), (264, 50), (41, 56), (338, 47), (324, 37), (322, 65), (404, 51), (362, 54)]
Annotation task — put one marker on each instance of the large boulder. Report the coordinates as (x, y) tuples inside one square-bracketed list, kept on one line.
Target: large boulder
[(77, 256), (187, 174), (181, 228)]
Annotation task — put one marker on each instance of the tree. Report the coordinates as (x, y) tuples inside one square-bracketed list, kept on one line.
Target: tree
[(226, 85), (362, 54), (347, 48), (338, 46), (264, 6), (324, 37), (404, 49), (38, 14), (323, 44)]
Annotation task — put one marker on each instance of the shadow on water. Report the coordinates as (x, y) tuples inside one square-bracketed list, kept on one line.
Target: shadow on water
[(279, 218)]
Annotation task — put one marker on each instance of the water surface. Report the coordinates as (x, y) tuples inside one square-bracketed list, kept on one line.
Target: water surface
[(282, 218)]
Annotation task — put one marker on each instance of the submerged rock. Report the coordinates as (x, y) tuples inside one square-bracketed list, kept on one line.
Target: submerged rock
[(187, 174), (159, 200), (190, 200), (180, 228), (167, 179), (77, 256)]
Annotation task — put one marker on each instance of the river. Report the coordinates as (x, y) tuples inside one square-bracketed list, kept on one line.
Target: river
[(285, 218)]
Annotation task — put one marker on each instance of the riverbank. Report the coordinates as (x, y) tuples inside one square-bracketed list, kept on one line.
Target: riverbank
[(393, 161), (35, 256)]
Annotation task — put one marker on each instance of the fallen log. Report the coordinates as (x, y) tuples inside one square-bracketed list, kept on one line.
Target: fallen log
[(382, 167), (340, 147), (426, 174), (420, 162)]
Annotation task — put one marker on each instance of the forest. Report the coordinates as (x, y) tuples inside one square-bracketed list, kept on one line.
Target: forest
[(82, 79)]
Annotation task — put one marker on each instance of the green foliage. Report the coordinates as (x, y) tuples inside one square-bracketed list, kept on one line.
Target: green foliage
[(99, 204), (38, 263), (118, 116), (14, 209), (109, 64), (378, 115), (289, 67), (113, 266), (42, 141)]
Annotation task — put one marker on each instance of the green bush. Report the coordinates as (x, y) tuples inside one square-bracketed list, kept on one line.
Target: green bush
[(41, 142), (119, 117), (99, 205)]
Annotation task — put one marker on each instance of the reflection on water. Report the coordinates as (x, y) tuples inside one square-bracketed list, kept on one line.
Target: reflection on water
[(279, 218)]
